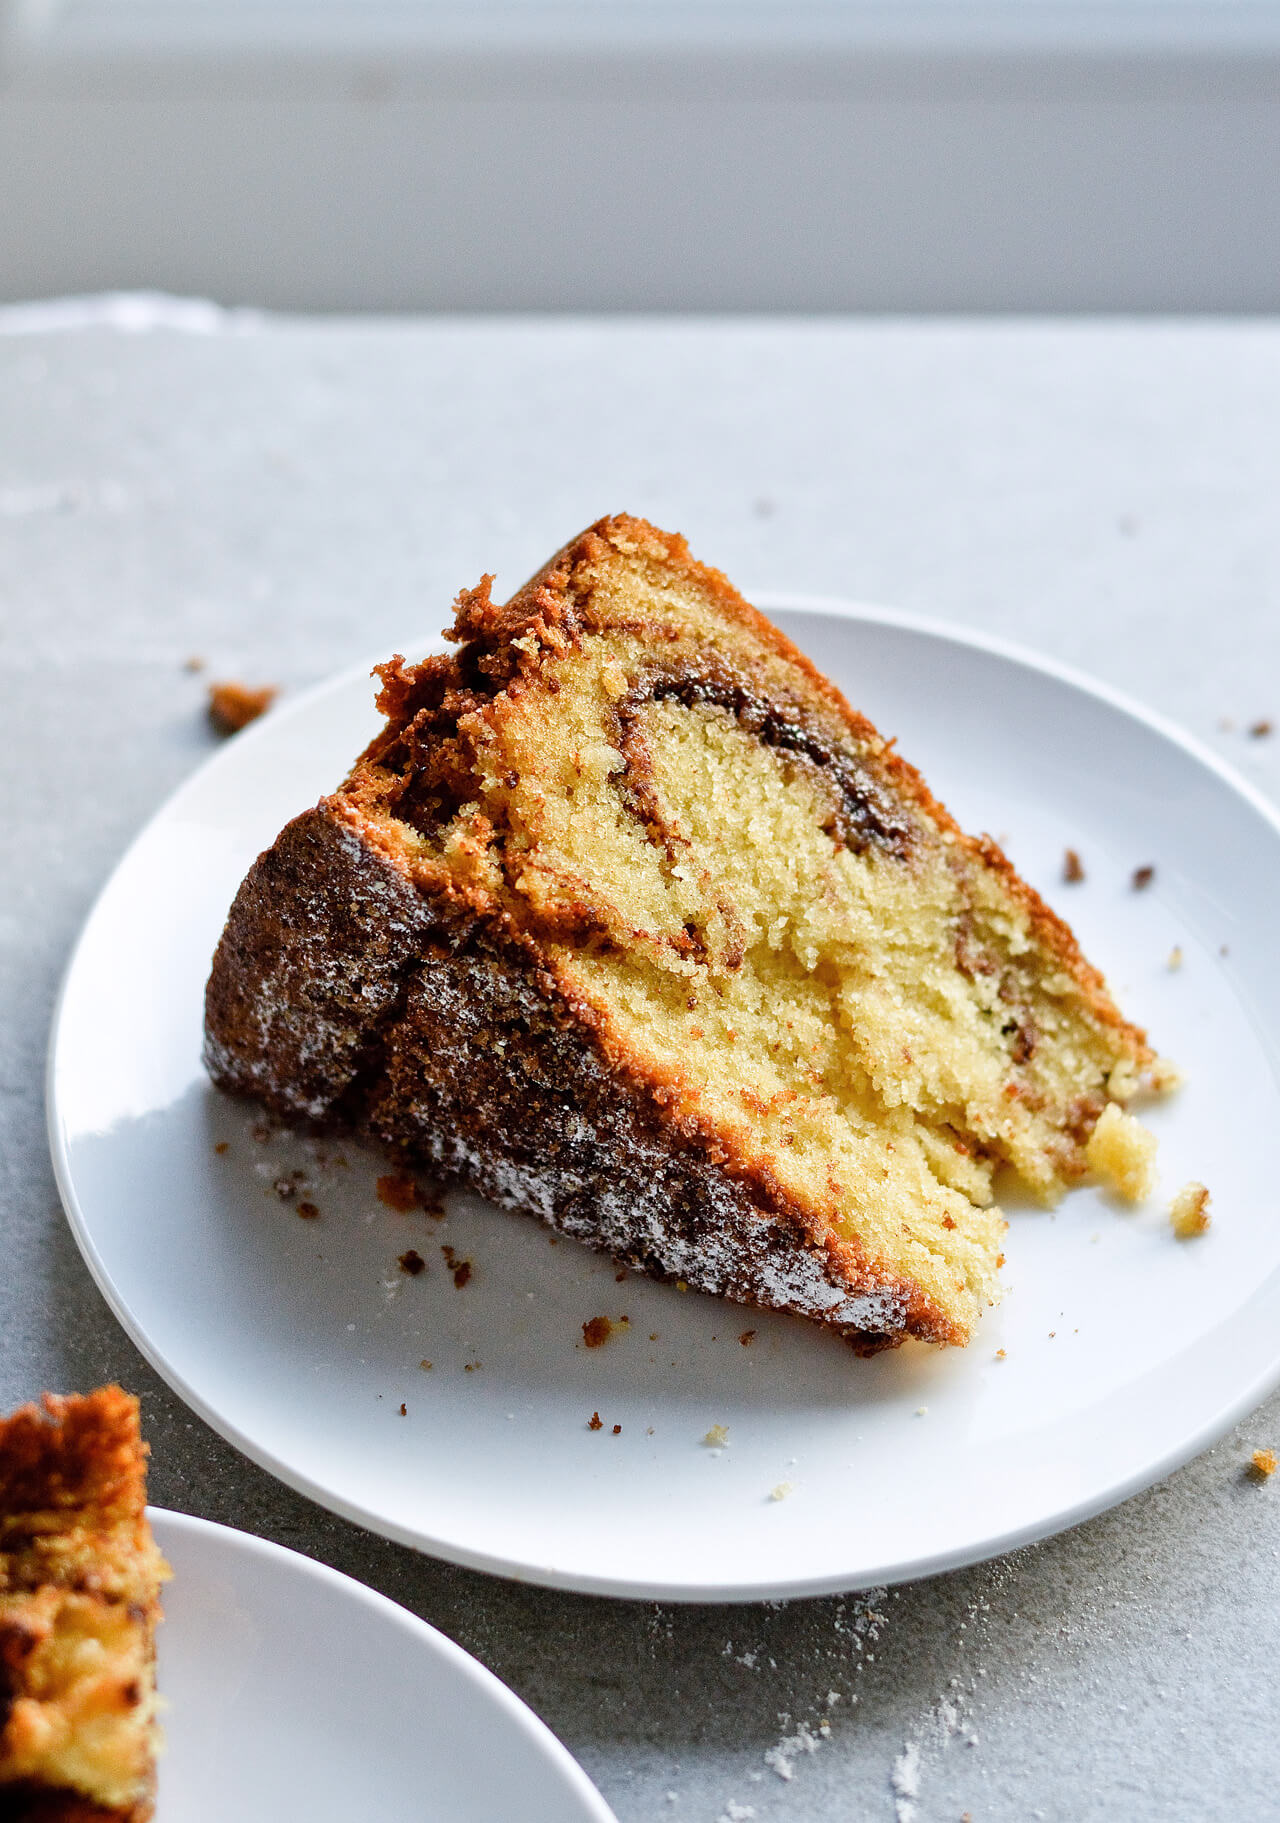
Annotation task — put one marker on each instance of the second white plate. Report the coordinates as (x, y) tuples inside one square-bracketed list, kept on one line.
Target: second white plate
[(292, 1691), (1124, 1350)]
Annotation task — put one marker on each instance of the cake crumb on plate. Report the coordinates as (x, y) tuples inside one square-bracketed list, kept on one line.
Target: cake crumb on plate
[(1123, 1151), (1189, 1211), (397, 1190)]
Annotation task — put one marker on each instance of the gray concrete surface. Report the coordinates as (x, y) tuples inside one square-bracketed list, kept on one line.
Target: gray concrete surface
[(284, 500)]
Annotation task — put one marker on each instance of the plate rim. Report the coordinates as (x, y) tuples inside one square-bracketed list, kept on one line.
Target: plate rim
[(468, 1668), (1145, 1474)]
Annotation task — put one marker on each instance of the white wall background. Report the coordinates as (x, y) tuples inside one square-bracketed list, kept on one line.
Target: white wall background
[(723, 154)]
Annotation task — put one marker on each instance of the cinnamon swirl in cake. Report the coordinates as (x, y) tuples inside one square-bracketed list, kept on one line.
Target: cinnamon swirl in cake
[(628, 920), (80, 1583)]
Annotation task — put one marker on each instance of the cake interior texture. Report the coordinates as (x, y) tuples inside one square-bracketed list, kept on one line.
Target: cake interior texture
[(80, 1576), (624, 859)]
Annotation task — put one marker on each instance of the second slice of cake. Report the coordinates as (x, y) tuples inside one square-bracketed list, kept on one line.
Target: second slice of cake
[(628, 920), (80, 1578)]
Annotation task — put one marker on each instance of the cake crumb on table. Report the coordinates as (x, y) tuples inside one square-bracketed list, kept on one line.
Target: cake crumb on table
[(595, 1422), (233, 706), (717, 1437), (747, 1337), (1123, 1151), (1142, 877), (596, 1332), (1175, 958), (308, 1211), (1189, 1211), (1072, 867), (1261, 729), (1263, 1464), (412, 1262), (617, 1430)]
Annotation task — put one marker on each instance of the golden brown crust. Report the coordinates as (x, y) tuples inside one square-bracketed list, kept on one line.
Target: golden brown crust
[(78, 1460)]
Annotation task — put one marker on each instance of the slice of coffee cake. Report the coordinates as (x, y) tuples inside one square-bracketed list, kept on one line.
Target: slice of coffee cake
[(627, 919), (80, 1583)]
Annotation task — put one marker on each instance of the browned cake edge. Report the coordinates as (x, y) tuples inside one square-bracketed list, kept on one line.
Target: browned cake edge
[(79, 1455)]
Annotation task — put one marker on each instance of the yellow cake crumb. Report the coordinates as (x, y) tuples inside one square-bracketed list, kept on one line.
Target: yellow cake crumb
[(1164, 1076), (1189, 1211), (781, 1491), (1175, 958), (1263, 1464), (1122, 1151), (717, 1437)]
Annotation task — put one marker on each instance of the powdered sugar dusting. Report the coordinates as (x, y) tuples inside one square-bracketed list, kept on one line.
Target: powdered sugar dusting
[(782, 1757), (905, 1780)]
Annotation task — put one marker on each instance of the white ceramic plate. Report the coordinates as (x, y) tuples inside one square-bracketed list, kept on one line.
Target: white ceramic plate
[(292, 1691), (1126, 1351)]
